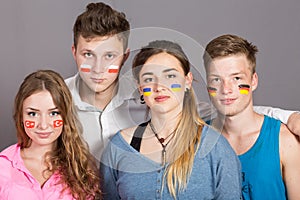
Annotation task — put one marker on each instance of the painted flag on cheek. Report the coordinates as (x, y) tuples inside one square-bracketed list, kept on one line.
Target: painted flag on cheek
[(176, 87), (212, 91), (147, 91), (29, 124), (244, 88), (113, 69), (57, 123), (85, 68)]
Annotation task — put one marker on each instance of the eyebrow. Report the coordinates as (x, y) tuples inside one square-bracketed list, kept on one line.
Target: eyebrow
[(34, 109), (164, 71)]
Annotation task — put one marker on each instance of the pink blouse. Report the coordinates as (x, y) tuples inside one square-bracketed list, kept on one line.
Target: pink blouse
[(16, 182)]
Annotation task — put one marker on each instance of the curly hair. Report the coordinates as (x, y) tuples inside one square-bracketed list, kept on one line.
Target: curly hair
[(70, 157)]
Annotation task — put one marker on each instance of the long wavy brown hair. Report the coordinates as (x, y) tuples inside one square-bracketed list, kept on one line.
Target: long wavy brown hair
[(70, 156), (188, 131)]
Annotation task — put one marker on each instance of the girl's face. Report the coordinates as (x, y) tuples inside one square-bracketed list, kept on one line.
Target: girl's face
[(163, 83), (41, 119)]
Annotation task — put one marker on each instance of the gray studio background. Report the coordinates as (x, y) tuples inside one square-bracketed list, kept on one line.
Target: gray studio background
[(37, 34)]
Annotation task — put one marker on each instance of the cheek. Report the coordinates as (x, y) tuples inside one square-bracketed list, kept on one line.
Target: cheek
[(147, 91), (176, 87), (29, 124), (244, 89), (58, 123), (113, 69), (212, 91), (85, 68)]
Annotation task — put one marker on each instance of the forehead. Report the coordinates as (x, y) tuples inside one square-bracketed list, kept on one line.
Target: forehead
[(40, 100), (162, 61), (229, 65), (96, 43)]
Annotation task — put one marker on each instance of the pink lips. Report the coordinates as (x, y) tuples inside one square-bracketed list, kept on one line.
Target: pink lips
[(97, 80), (161, 98), (44, 134), (227, 101)]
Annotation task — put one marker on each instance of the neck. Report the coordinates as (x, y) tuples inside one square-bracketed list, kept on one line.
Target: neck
[(164, 125), (239, 124), (98, 99), (36, 151)]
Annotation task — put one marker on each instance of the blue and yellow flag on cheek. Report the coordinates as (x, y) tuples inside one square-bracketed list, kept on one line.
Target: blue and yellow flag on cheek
[(147, 91)]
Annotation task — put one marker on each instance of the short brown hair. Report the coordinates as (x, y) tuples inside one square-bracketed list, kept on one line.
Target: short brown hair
[(226, 45), (101, 20)]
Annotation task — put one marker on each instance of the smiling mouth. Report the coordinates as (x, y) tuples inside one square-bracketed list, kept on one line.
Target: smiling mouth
[(227, 101), (44, 134), (161, 98)]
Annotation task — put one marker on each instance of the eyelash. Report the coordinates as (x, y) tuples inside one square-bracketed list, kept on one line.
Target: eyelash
[(88, 55), (34, 114), (54, 113), (171, 76), (147, 80)]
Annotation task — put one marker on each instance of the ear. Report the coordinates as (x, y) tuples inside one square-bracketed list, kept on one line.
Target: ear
[(189, 80), (254, 81), (74, 51)]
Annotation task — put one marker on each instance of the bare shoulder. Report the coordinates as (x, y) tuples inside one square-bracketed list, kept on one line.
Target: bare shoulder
[(287, 138), (127, 133), (289, 144)]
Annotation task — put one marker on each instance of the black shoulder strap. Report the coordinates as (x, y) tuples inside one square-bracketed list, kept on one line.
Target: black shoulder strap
[(137, 136)]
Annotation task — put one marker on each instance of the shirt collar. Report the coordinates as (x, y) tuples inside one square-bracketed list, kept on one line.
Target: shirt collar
[(127, 90)]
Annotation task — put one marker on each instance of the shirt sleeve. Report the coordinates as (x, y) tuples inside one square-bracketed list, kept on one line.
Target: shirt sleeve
[(277, 113)]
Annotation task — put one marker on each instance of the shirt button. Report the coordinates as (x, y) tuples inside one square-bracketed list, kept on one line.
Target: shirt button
[(158, 181), (158, 171), (157, 191)]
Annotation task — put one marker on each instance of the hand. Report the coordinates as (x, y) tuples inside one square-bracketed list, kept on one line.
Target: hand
[(293, 123)]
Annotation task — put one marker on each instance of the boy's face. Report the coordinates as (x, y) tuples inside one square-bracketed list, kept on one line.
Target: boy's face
[(99, 60), (230, 84)]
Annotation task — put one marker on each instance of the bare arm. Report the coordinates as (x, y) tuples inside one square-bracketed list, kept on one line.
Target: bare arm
[(290, 159)]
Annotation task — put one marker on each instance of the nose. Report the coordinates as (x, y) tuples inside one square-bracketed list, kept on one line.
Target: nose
[(98, 66), (158, 85), (43, 122), (226, 87)]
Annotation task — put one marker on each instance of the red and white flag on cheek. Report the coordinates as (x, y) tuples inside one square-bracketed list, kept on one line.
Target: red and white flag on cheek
[(29, 124), (85, 68), (113, 69), (58, 123)]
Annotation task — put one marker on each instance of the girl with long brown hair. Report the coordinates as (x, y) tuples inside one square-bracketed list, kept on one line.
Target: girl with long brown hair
[(50, 160)]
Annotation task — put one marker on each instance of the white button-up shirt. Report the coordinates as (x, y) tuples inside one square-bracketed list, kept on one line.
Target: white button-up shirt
[(123, 111)]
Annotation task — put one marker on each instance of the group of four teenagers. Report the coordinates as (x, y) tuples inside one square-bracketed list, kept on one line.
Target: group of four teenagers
[(163, 149)]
